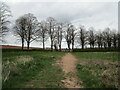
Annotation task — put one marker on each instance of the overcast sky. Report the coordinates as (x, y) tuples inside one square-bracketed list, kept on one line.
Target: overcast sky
[(95, 13)]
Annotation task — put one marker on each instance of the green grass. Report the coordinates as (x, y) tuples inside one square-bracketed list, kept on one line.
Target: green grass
[(98, 69), (113, 56), (38, 69), (50, 77), (89, 80), (96, 50)]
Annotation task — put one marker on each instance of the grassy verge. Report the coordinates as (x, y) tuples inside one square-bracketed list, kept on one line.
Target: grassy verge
[(109, 56), (98, 69), (96, 50), (31, 69)]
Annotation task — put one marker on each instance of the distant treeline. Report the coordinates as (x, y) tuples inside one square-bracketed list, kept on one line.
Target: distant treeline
[(62, 50), (28, 29)]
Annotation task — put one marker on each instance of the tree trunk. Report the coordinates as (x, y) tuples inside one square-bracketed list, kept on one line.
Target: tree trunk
[(72, 46), (60, 47), (69, 46), (101, 45), (22, 43), (93, 45), (104, 45), (28, 44), (51, 45), (98, 45), (55, 46), (114, 45), (90, 46), (43, 44), (82, 46), (109, 45), (118, 45)]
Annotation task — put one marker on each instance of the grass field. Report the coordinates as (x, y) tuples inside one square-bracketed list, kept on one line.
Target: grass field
[(37, 69), (25, 69), (98, 69)]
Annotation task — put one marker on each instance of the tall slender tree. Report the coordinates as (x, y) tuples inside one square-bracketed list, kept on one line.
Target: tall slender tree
[(91, 37), (60, 27), (43, 32), (19, 28), (118, 45), (108, 37), (82, 36), (68, 35), (73, 35), (31, 28), (5, 13), (51, 25), (114, 38), (99, 39)]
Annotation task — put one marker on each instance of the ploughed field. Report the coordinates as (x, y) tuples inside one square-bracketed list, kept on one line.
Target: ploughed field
[(39, 69)]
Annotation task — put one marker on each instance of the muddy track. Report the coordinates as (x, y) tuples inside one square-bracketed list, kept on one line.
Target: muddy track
[(68, 65)]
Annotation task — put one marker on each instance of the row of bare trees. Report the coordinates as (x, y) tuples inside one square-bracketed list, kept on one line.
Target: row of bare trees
[(100, 39), (26, 27), (29, 29)]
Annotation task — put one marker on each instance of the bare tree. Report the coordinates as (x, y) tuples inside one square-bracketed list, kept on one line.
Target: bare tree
[(51, 25), (82, 36), (55, 44), (104, 39), (114, 38), (99, 39), (68, 34), (118, 45), (59, 34), (107, 37), (31, 28), (73, 34), (43, 32), (5, 13), (19, 28), (91, 37)]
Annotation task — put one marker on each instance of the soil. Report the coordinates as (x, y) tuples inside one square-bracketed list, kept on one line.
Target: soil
[(68, 65), (16, 47)]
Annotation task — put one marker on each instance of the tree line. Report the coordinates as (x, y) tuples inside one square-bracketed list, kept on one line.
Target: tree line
[(29, 29)]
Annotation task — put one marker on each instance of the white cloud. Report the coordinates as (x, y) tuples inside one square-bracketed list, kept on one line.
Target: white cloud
[(14, 1)]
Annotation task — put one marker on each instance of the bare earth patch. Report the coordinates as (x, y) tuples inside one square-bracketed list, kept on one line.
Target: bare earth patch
[(68, 65)]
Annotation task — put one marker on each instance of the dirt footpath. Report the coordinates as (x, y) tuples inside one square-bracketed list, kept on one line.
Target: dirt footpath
[(68, 65)]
